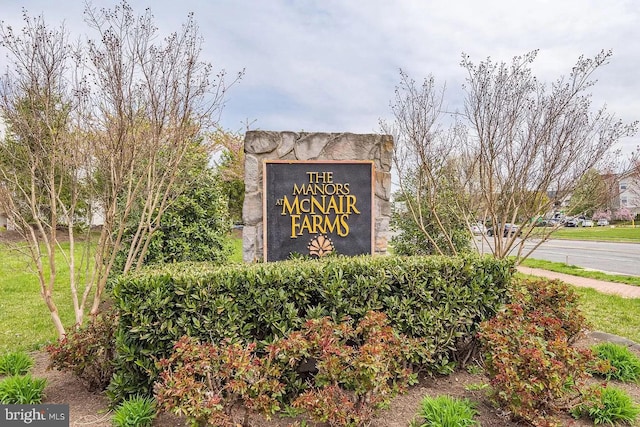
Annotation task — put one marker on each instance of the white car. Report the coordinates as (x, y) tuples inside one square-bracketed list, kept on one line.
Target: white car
[(603, 223), (587, 223), (478, 228)]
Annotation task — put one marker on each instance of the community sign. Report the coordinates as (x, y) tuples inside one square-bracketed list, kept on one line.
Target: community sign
[(316, 208)]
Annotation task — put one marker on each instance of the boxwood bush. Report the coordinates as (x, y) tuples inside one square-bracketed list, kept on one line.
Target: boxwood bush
[(438, 299)]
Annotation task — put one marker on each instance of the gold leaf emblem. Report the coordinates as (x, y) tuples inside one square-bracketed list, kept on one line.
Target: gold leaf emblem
[(320, 246)]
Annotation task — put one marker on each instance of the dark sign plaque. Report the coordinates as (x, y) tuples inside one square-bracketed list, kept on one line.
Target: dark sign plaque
[(317, 207)]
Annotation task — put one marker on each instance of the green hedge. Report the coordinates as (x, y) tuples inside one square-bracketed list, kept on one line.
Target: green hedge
[(441, 299)]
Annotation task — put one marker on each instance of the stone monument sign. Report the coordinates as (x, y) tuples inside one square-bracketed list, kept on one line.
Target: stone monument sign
[(315, 194)]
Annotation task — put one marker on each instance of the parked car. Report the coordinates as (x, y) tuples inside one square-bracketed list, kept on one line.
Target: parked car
[(553, 222), (507, 231), (478, 228), (547, 223), (602, 223), (571, 223), (587, 223)]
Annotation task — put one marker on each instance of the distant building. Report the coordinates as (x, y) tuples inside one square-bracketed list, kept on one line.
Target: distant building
[(628, 191)]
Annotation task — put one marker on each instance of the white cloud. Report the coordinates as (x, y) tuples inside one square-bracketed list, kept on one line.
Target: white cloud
[(331, 65)]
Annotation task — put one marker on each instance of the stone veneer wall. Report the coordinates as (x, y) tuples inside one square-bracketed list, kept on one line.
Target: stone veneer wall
[(267, 145)]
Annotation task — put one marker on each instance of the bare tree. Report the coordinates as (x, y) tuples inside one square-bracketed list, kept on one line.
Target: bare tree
[(154, 101), (111, 125), (41, 157), (531, 139), (426, 159), (523, 140)]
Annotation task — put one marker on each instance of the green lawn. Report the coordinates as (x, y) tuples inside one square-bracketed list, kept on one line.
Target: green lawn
[(611, 313), (236, 256), (25, 322), (610, 234)]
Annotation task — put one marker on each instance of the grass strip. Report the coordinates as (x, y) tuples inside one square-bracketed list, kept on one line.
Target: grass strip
[(574, 270), (622, 234), (611, 313)]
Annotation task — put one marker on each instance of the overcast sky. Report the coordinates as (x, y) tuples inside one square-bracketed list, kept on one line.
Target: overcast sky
[(330, 65)]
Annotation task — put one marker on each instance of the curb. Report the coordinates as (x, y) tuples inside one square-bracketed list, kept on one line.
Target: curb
[(604, 336)]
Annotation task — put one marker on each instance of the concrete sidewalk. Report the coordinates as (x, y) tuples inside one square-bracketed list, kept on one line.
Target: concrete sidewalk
[(626, 291)]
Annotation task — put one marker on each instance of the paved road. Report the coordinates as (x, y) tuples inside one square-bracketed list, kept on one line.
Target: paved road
[(618, 258)]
